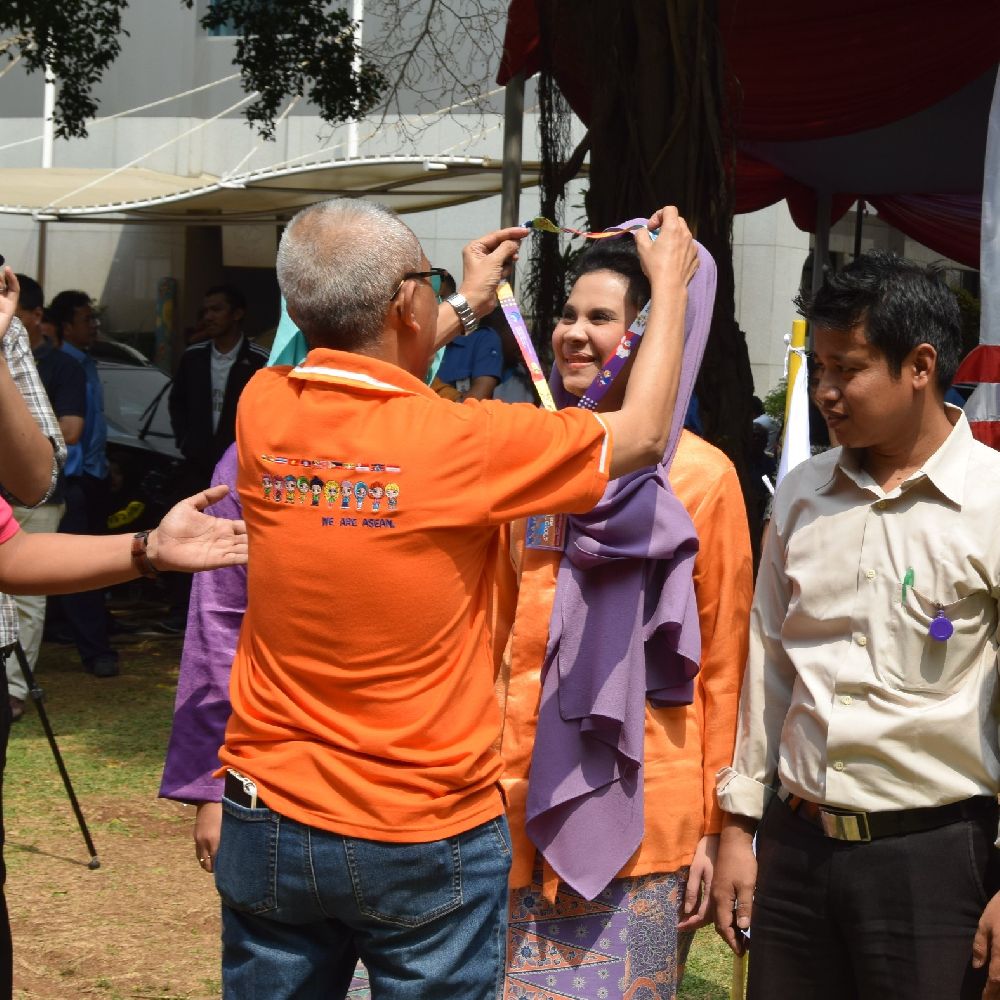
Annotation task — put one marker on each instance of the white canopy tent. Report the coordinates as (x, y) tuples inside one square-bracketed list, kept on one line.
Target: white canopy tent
[(403, 183)]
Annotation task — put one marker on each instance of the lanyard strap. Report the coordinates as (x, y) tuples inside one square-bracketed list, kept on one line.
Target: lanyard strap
[(613, 365)]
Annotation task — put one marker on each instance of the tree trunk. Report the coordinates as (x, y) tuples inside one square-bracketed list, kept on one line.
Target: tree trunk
[(659, 134)]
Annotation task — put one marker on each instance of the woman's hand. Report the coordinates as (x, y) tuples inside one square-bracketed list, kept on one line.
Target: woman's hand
[(696, 911), (672, 258), (207, 830)]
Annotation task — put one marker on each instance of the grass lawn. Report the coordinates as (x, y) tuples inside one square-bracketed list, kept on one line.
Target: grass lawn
[(145, 925)]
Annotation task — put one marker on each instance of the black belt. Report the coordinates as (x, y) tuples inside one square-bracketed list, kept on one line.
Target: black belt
[(241, 790), (843, 824)]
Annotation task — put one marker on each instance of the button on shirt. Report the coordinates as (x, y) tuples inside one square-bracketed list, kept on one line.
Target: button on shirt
[(847, 699)]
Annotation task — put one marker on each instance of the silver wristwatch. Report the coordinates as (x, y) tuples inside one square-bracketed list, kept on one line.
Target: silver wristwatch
[(461, 305)]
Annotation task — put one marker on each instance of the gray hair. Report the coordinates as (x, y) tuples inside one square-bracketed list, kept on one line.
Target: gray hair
[(339, 263)]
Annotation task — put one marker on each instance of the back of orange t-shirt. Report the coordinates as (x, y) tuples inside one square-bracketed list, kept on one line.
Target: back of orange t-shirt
[(362, 686)]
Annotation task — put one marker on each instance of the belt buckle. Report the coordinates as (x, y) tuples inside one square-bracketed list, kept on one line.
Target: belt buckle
[(851, 827)]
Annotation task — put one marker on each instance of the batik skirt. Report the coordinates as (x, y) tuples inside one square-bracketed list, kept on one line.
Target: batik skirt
[(623, 945)]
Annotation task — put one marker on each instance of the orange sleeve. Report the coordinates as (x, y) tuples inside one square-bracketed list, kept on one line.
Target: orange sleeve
[(539, 462), (723, 578)]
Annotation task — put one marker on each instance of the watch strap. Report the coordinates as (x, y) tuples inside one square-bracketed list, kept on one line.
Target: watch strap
[(140, 556), (460, 304)]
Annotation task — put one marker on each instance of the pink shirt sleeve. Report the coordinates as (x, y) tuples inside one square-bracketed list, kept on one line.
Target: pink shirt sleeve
[(8, 526)]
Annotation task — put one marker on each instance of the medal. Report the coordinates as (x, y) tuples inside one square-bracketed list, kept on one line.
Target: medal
[(941, 629)]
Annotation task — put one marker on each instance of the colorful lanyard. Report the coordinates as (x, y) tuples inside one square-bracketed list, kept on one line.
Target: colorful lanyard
[(614, 364), (548, 531), (548, 226)]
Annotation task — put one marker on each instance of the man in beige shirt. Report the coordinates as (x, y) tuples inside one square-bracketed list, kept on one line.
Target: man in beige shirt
[(868, 736)]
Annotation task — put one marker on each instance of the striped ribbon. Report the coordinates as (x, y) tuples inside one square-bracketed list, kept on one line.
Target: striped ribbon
[(613, 365)]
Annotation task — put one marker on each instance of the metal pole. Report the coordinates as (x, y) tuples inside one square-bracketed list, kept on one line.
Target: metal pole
[(37, 696), (357, 13), (821, 252), (48, 145), (513, 125), (859, 225)]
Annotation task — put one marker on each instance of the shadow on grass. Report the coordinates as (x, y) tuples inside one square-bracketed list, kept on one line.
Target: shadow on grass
[(12, 845)]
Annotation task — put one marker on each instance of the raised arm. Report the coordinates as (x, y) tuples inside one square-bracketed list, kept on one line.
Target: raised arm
[(641, 428), (485, 263), (27, 455), (187, 541)]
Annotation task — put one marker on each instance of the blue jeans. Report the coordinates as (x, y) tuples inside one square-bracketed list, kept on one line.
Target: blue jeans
[(300, 905)]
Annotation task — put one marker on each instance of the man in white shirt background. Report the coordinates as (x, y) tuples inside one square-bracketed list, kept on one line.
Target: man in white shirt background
[(208, 383), (202, 403), (867, 757)]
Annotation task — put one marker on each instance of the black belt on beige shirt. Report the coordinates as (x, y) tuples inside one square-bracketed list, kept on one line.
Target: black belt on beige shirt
[(843, 824)]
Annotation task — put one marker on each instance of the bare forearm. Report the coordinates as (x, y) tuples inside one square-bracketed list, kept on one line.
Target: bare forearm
[(26, 455), (64, 564)]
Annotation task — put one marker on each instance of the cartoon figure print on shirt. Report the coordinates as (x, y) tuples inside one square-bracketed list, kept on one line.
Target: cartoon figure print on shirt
[(311, 488)]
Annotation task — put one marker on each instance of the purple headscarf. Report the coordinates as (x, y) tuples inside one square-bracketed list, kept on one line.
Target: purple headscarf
[(624, 629)]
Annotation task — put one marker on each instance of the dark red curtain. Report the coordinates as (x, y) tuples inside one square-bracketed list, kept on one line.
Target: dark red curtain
[(809, 71), (801, 72)]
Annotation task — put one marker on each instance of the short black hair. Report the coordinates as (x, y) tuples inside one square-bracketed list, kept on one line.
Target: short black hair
[(64, 306), (31, 296), (898, 303), (618, 254), (235, 298)]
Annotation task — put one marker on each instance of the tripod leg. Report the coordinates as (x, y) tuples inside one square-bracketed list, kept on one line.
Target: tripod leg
[(38, 697)]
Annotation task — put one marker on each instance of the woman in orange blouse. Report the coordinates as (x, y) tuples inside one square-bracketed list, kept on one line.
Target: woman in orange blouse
[(631, 938)]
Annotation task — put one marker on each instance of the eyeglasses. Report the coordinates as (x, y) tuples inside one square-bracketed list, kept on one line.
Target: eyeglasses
[(434, 276)]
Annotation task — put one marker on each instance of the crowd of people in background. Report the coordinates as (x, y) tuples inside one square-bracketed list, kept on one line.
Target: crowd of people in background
[(531, 747)]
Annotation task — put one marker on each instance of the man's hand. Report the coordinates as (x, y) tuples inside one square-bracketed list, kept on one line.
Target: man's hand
[(189, 541), (672, 258), (485, 263), (986, 947), (207, 831), (735, 878), (9, 291), (697, 897)]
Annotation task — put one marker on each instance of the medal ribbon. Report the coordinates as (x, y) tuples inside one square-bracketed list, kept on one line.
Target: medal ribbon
[(614, 364)]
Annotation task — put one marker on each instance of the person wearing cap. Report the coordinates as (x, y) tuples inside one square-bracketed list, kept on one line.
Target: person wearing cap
[(867, 759), (363, 715)]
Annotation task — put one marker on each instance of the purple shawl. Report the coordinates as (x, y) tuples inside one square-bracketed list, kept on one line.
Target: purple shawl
[(624, 629)]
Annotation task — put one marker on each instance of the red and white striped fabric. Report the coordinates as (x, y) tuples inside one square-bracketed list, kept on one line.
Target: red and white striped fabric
[(982, 366)]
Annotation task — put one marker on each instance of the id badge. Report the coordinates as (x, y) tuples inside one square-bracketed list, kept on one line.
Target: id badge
[(546, 531)]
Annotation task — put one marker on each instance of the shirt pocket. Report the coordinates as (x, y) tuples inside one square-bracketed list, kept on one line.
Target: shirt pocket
[(918, 662)]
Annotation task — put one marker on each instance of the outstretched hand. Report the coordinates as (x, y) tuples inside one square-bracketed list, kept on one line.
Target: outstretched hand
[(189, 541), (672, 257), (485, 263)]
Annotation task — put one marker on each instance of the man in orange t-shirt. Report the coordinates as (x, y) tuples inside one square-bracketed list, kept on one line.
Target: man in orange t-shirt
[(362, 812)]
